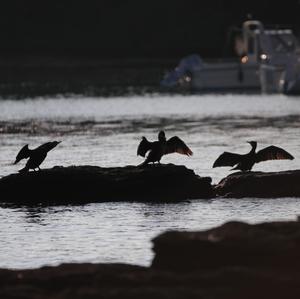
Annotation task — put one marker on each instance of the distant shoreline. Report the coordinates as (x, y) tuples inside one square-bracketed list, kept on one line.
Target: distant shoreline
[(23, 76)]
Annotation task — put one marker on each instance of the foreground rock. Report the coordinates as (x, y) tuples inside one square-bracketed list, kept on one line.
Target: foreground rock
[(234, 244), (235, 260), (96, 184), (260, 184)]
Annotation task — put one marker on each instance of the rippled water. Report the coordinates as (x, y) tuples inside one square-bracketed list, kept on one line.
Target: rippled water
[(105, 132)]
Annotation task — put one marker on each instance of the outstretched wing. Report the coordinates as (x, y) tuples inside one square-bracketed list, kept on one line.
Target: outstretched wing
[(227, 159), (176, 145), (272, 153), (23, 154), (144, 147), (48, 146)]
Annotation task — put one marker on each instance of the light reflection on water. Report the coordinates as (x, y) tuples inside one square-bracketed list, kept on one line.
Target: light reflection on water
[(117, 232), (106, 132)]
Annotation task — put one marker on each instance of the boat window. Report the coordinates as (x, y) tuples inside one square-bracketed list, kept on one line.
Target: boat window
[(283, 43)]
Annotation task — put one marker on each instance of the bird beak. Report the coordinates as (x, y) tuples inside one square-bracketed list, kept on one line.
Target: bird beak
[(249, 142)]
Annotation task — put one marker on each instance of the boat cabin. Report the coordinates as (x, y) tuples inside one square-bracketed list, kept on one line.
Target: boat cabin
[(267, 60)]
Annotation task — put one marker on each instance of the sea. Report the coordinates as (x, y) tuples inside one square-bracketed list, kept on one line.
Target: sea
[(105, 131)]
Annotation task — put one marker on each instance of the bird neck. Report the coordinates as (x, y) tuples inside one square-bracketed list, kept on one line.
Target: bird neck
[(162, 139), (46, 147), (253, 149)]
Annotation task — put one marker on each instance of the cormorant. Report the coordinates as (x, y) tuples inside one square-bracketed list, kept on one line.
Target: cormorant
[(161, 147), (245, 162), (36, 156)]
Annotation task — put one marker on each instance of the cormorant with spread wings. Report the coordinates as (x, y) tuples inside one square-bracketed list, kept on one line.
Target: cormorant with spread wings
[(245, 162), (36, 156), (161, 147)]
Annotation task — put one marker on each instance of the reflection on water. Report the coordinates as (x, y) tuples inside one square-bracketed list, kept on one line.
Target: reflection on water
[(106, 132)]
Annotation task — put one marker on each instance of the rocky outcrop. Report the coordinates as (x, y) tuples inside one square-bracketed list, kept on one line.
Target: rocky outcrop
[(260, 184), (234, 244), (82, 184), (235, 260)]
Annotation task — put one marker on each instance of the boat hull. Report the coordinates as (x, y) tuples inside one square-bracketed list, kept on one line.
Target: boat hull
[(226, 77)]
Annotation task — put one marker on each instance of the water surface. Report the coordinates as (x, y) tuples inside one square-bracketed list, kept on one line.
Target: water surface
[(106, 132)]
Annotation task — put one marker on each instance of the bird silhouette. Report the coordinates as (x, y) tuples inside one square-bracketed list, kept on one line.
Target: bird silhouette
[(161, 147), (245, 162), (36, 156)]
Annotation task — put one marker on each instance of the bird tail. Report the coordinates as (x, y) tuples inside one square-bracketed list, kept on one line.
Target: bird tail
[(144, 163), (234, 168), (24, 170)]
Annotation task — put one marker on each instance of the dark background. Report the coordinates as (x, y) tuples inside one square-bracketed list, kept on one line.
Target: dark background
[(107, 47), (132, 28)]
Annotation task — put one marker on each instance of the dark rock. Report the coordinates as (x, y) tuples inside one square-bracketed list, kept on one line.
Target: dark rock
[(260, 184), (83, 184), (234, 244), (233, 261)]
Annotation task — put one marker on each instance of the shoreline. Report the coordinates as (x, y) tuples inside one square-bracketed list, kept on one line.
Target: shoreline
[(234, 260), (31, 76)]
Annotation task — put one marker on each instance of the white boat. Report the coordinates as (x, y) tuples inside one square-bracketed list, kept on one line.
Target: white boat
[(267, 61)]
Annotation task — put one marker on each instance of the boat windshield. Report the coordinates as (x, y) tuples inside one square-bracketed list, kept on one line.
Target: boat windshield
[(283, 42)]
